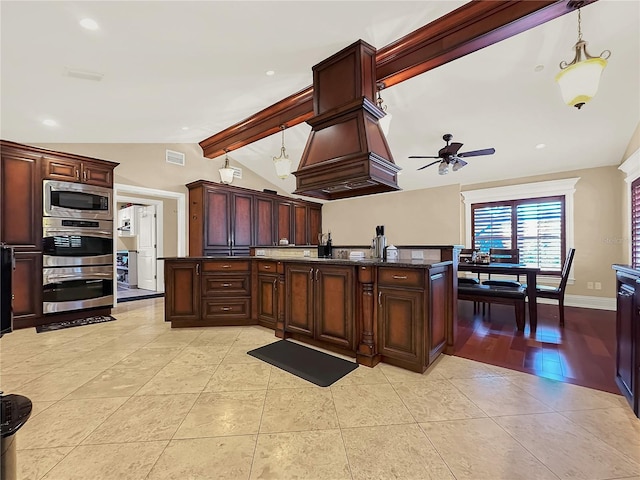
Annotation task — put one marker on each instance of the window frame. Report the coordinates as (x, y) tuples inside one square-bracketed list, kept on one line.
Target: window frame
[(566, 187), (514, 223)]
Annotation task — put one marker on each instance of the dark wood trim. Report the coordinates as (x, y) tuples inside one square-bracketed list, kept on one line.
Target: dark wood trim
[(465, 30)]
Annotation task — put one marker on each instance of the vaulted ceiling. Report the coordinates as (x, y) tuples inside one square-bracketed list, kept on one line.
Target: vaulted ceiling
[(201, 65)]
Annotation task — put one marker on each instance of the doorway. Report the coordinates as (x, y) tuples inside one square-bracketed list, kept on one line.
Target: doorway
[(152, 239)]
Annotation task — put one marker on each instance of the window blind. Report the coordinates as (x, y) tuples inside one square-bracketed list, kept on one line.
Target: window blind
[(635, 223), (535, 226)]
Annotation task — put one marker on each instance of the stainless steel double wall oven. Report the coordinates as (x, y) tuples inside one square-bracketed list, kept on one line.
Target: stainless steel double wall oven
[(77, 246)]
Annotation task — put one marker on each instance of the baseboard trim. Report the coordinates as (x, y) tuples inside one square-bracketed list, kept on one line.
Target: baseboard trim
[(584, 301)]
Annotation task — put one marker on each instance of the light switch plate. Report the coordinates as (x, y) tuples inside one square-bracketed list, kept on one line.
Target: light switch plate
[(261, 253), (306, 253), (417, 255)]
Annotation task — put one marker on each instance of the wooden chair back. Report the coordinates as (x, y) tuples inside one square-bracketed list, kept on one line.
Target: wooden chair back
[(565, 270)]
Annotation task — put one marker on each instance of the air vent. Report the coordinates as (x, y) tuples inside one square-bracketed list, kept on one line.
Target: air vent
[(237, 172), (176, 158), (84, 74)]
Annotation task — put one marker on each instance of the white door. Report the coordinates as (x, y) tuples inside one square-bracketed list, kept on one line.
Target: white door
[(147, 248)]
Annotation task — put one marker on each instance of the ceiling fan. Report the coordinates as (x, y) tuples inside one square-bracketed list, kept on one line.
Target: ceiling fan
[(449, 155)]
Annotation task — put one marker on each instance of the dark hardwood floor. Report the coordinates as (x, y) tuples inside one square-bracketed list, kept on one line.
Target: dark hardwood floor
[(582, 353)]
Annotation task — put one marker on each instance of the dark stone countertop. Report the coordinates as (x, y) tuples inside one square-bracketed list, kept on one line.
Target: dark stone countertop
[(373, 262)]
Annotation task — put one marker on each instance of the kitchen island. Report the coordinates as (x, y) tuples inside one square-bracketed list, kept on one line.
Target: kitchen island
[(400, 312)]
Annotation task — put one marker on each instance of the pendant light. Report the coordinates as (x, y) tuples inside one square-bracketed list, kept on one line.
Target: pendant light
[(385, 122), (282, 163), (226, 172), (579, 79)]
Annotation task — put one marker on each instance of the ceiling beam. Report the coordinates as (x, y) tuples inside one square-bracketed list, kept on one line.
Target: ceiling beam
[(467, 29)]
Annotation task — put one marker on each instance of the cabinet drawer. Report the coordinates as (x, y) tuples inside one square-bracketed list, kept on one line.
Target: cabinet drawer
[(225, 266), (401, 277), (268, 267), (235, 308), (218, 284)]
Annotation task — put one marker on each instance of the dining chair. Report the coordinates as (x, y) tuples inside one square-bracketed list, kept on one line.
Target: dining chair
[(557, 293), (504, 255)]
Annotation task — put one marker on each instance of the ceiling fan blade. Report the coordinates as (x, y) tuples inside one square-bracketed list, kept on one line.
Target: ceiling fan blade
[(420, 156), (450, 149), (477, 153), (428, 165)]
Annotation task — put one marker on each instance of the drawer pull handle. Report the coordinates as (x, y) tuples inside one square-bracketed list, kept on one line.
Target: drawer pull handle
[(227, 284), (379, 300), (267, 267), (226, 309), (275, 284), (400, 277), (226, 266)]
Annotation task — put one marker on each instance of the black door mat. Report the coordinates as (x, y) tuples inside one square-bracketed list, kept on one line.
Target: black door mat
[(312, 365), (74, 323)]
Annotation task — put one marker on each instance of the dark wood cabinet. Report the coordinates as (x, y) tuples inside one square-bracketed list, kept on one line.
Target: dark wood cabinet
[(264, 223), (628, 335), (267, 293), (182, 291), (201, 293), (401, 316), (285, 220), (439, 290), (82, 171), (20, 199), (227, 220), (320, 303), (27, 298)]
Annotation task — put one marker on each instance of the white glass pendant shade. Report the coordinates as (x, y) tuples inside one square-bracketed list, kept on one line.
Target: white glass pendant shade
[(226, 173), (443, 168), (579, 82), (283, 165)]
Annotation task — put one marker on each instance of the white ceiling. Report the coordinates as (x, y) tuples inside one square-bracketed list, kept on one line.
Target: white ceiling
[(201, 65)]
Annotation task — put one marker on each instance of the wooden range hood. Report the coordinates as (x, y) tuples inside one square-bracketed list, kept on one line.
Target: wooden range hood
[(346, 154)]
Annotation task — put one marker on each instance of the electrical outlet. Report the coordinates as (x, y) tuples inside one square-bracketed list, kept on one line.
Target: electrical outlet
[(306, 253), (589, 285), (260, 253), (417, 255), (598, 286)]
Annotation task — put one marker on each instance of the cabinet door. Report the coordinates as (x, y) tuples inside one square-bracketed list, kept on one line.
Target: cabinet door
[(241, 220), (334, 310), (315, 224), (625, 319), (299, 224), (263, 222), (26, 284), (216, 219), (299, 299), (285, 221), (20, 201), (96, 174), (400, 317), (437, 322), (61, 169), (267, 300), (182, 290)]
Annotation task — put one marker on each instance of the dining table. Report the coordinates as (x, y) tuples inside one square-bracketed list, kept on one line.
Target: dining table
[(511, 269)]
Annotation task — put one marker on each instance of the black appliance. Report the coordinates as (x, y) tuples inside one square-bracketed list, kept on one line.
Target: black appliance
[(76, 200), (7, 263)]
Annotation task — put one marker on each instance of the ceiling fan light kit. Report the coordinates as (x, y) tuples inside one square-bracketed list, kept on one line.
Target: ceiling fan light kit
[(579, 79), (449, 155)]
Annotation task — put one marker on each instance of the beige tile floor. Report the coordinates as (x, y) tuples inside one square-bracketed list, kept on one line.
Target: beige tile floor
[(133, 399)]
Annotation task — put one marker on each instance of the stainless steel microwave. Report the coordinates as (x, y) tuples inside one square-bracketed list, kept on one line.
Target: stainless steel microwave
[(76, 200)]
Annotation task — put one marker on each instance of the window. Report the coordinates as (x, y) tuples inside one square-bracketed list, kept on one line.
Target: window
[(635, 223), (535, 226)]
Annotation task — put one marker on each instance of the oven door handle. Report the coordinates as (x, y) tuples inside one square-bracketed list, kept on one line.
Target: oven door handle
[(76, 276), (48, 232)]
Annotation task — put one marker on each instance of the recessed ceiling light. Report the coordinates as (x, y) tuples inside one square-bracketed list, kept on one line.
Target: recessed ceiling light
[(540, 145), (270, 73), (538, 68), (50, 123), (89, 24)]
